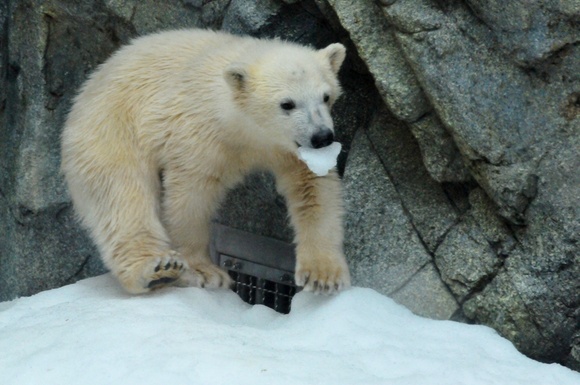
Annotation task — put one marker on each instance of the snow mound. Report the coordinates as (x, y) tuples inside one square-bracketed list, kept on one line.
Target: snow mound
[(320, 160), (93, 333)]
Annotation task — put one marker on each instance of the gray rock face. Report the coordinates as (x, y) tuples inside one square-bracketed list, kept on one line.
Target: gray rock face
[(465, 260), (377, 46), (426, 295), (425, 201), (383, 249), (245, 17), (502, 80), (474, 250), (530, 31), (440, 154), (498, 126), (3, 59), (42, 247), (375, 222)]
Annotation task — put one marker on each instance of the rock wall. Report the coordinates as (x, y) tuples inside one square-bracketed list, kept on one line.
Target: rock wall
[(490, 93), (460, 130)]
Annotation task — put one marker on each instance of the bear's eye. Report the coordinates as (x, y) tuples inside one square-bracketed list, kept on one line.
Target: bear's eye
[(326, 98), (288, 105)]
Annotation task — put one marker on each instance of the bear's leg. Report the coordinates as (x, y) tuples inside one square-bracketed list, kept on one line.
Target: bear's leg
[(121, 207), (142, 264), (187, 212), (316, 210)]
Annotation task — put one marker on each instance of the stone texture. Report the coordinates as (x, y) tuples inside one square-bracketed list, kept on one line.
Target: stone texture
[(500, 144), (412, 16), (482, 214), (474, 250), (375, 42), (574, 358), (145, 16), (441, 157), (381, 245), (535, 308), (503, 82), (543, 269), (466, 260), (376, 45), (501, 304), (425, 295), (3, 60), (42, 247), (212, 11), (427, 204), (243, 17), (530, 31), (299, 22)]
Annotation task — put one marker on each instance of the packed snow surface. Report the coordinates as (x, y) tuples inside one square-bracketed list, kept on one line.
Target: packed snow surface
[(93, 333), (320, 160)]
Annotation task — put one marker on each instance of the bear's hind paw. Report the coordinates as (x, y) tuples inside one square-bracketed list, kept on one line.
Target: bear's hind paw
[(206, 275)]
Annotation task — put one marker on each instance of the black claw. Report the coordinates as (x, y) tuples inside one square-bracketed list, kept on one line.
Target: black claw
[(160, 282), (315, 285), (306, 280), (336, 286), (157, 268), (168, 265), (175, 265)]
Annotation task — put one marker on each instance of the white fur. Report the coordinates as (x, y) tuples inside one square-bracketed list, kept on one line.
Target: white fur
[(170, 122)]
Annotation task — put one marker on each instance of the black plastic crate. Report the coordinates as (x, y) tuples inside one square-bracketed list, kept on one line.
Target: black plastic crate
[(262, 268)]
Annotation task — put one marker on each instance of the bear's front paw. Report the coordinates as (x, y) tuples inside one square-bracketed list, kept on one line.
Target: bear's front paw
[(206, 275), (323, 275), (165, 271), (140, 275)]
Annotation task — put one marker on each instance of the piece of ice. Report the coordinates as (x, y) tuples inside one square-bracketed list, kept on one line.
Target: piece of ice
[(320, 160)]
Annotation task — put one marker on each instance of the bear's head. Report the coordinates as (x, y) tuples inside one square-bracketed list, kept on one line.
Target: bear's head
[(288, 91)]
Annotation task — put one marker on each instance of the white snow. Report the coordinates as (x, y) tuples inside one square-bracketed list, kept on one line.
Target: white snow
[(93, 333), (320, 160)]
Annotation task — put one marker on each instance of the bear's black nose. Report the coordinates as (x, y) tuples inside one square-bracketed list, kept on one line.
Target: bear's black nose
[(322, 138)]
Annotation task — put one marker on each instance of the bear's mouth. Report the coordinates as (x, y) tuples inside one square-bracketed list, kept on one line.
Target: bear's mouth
[(304, 145)]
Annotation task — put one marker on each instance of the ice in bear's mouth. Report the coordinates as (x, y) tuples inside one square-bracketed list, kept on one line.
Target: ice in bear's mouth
[(320, 160)]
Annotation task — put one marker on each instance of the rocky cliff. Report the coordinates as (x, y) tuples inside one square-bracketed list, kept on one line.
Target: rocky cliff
[(461, 130)]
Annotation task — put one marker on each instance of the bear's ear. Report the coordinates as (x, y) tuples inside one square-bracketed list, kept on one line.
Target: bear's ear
[(335, 54), (236, 76)]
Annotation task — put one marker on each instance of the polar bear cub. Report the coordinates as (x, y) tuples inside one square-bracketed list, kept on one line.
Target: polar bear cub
[(170, 122)]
